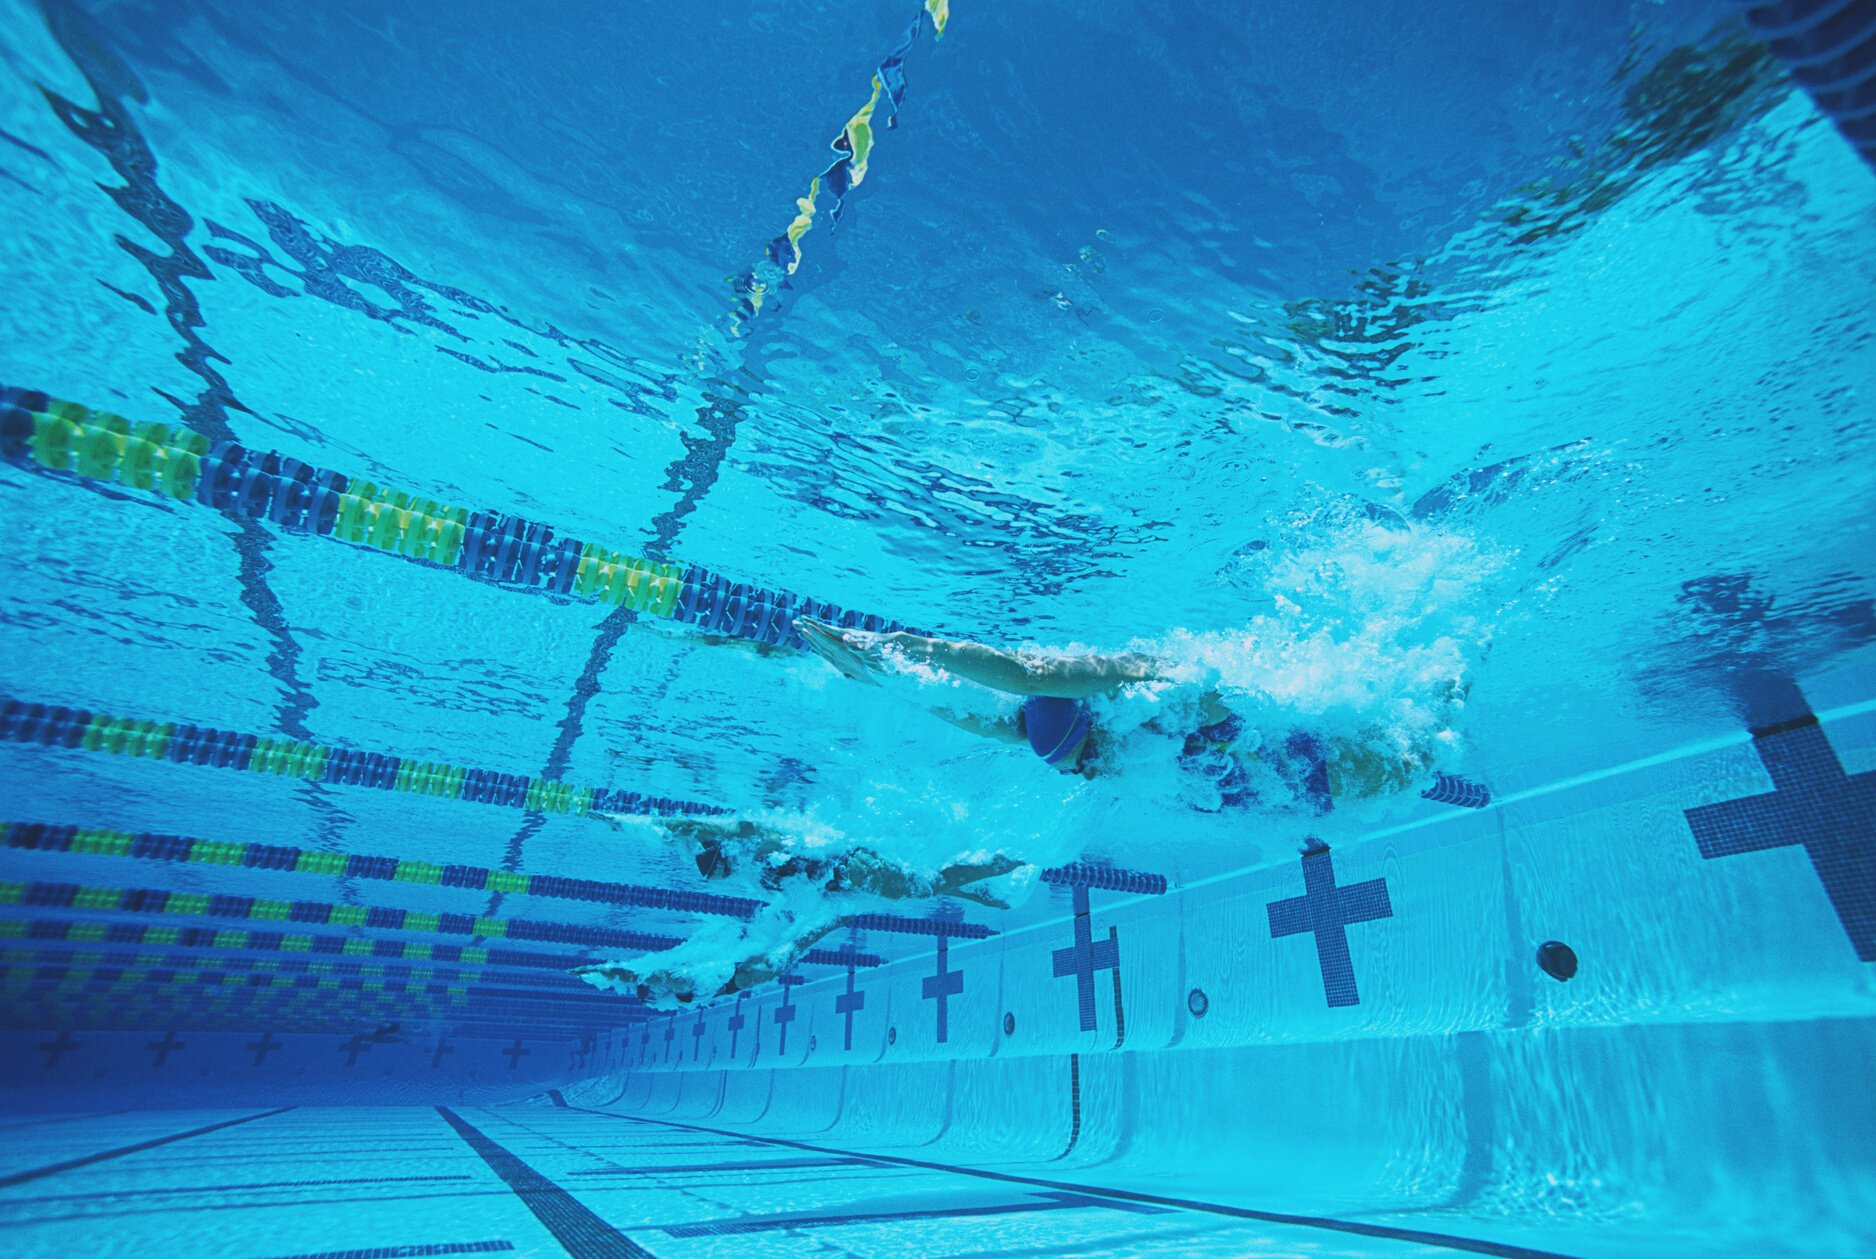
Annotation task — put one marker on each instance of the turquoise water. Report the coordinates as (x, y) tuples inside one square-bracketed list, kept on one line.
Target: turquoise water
[(1490, 385)]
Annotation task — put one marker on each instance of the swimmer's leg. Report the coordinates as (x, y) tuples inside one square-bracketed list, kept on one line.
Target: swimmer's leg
[(863, 870), (1361, 769)]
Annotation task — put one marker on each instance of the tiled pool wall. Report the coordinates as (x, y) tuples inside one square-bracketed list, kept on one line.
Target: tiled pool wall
[(1368, 1028)]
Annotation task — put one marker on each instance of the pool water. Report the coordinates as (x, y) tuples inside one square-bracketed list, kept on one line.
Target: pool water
[(421, 426)]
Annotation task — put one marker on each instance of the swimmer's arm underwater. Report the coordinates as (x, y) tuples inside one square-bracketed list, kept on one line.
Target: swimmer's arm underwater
[(858, 654), (1002, 729), (691, 634)]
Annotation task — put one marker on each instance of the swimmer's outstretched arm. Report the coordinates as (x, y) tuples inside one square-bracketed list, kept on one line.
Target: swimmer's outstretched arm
[(695, 829), (755, 971), (859, 654)]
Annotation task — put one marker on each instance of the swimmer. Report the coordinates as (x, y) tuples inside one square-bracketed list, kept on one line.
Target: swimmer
[(1061, 728), (759, 855), (725, 848), (666, 982)]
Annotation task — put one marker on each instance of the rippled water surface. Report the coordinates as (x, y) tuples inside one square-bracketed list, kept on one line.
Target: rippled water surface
[(1332, 354)]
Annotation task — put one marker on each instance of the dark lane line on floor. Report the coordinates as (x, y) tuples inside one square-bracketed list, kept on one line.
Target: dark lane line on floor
[(583, 1234), (413, 1251), (53, 1169), (1416, 1236), (794, 1220)]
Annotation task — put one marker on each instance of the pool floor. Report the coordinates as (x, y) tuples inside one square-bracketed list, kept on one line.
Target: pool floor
[(549, 1177)]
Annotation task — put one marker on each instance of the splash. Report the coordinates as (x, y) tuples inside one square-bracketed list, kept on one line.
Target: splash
[(1376, 627), (1370, 634)]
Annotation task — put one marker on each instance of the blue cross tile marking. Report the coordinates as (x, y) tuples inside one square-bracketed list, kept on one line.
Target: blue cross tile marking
[(515, 1053), (670, 1034), (354, 1047), (941, 987), (1084, 957), (849, 1003), (56, 1049), (162, 1049), (737, 1022), (1813, 805), (1327, 910), (442, 1047), (262, 1047), (786, 1013)]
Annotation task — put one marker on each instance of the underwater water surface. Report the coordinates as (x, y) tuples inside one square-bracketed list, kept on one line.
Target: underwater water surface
[(1483, 386)]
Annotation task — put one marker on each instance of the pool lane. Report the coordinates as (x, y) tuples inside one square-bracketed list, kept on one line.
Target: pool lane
[(540, 1179)]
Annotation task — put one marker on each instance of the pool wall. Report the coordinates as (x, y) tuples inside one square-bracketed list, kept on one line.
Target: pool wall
[(1706, 1065)]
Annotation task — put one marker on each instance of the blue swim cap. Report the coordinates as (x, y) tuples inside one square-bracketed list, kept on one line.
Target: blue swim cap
[(1054, 726)]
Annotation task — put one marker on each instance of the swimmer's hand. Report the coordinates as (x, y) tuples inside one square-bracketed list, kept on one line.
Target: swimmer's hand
[(854, 652), (958, 880), (979, 895), (607, 975)]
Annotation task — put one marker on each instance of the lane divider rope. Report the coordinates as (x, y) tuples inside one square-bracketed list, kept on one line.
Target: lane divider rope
[(853, 153), (43, 837), (493, 961), (65, 437), (22, 967), (40, 895), (54, 726), (34, 836)]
